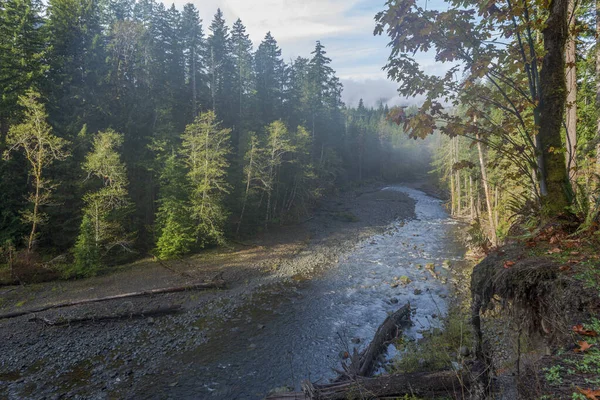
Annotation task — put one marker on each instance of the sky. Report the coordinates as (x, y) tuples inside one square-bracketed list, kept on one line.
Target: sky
[(344, 27)]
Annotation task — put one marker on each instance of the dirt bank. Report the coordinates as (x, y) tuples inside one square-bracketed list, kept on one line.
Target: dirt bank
[(106, 359), (535, 303)]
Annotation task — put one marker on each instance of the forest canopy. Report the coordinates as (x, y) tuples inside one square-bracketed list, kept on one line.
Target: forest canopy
[(129, 128)]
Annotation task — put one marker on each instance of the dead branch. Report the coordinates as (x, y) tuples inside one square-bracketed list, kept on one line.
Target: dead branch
[(112, 317), (219, 284)]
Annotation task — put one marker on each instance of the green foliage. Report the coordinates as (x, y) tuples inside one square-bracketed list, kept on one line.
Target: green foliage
[(108, 206), (176, 233), (85, 252), (205, 147), (146, 70), (41, 148), (553, 375)]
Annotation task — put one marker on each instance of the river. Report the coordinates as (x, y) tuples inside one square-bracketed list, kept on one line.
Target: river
[(295, 331)]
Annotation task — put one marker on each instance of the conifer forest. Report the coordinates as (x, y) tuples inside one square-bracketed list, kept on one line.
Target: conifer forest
[(130, 128), (399, 199)]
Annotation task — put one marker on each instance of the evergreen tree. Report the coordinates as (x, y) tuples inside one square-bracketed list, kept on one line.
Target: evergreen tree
[(205, 149), (107, 207), (241, 47), (85, 252), (221, 70), (269, 72), (194, 47), (176, 234), (76, 68), (41, 148), (21, 56)]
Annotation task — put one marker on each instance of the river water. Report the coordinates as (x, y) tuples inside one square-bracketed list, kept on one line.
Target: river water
[(295, 331)]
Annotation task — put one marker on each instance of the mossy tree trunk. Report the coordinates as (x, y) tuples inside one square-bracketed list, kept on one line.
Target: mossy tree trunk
[(571, 120), (551, 107)]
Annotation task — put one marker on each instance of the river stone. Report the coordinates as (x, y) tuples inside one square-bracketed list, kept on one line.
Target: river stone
[(417, 292), (405, 280), (355, 340), (394, 300)]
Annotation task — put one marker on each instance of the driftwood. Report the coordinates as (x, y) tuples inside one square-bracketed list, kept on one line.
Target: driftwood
[(113, 317), (363, 364), (217, 284), (387, 331), (422, 384)]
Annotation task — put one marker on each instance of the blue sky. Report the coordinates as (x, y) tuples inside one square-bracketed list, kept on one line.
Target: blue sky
[(345, 27)]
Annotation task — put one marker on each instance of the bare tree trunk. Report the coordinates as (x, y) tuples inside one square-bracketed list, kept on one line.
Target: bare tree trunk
[(458, 185), (571, 120), (471, 199), (496, 200), (452, 185), (248, 180), (486, 191)]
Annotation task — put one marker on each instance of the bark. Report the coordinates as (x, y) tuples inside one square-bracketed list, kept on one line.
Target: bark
[(571, 77), (471, 198), (553, 97), (217, 284), (386, 332), (115, 317), (457, 180), (452, 184), (422, 384), (486, 191), (598, 85)]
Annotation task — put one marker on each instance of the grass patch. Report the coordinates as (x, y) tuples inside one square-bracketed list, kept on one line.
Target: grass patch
[(439, 348)]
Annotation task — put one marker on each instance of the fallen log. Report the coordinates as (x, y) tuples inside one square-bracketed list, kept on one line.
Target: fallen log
[(217, 284), (112, 317), (422, 384), (387, 331)]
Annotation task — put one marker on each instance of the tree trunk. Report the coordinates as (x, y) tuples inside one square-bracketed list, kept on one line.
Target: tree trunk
[(486, 191), (571, 76), (553, 97), (248, 180), (458, 185), (452, 183), (217, 284), (440, 384), (598, 85), (471, 199)]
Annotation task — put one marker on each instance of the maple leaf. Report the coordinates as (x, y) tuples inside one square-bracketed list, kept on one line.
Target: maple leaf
[(565, 268), (589, 393), (554, 250), (583, 346), (584, 332), (508, 264)]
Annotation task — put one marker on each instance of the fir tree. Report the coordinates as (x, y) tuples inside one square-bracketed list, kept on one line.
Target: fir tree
[(205, 149), (176, 233)]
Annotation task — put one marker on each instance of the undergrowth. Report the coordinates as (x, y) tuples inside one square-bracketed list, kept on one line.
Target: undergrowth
[(439, 349)]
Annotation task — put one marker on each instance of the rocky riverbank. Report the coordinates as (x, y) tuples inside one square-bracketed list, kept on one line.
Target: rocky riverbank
[(108, 358)]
